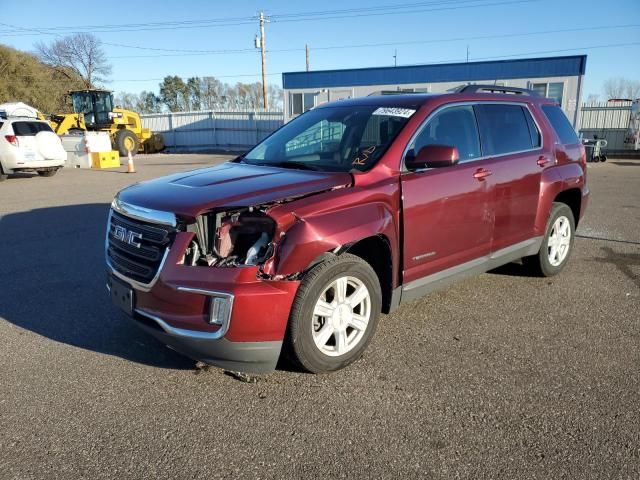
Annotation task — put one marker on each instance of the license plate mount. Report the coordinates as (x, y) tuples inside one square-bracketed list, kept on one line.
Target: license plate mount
[(122, 295)]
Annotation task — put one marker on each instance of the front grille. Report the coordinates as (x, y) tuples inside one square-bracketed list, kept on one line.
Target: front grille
[(139, 247)]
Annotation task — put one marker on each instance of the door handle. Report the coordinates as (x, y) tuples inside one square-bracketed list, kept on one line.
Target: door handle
[(481, 173), (542, 161)]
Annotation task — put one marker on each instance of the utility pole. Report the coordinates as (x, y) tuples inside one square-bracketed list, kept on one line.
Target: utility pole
[(306, 51), (263, 48), (467, 53), (395, 57)]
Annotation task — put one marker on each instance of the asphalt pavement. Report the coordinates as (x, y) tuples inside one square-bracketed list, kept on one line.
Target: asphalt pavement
[(500, 376)]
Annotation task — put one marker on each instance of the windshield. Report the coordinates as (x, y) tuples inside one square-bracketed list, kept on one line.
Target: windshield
[(83, 102), (332, 139)]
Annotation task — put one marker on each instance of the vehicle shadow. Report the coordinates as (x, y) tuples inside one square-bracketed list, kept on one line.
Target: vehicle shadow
[(53, 284), (513, 269), (624, 262), (627, 164)]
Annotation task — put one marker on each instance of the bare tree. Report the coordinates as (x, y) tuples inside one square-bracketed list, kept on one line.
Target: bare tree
[(82, 53), (632, 89), (126, 100), (614, 88), (592, 98), (276, 97)]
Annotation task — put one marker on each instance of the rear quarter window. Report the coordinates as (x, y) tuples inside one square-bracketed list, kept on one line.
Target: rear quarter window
[(560, 124), (29, 129)]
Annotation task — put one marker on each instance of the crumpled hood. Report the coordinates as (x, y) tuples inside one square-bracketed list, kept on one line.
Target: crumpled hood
[(228, 185)]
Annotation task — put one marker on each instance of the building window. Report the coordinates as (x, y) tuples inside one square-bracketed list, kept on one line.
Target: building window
[(553, 90), (301, 102)]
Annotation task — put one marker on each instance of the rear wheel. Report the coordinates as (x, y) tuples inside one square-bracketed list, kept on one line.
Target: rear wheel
[(556, 244), (334, 314), (3, 176), (48, 173), (126, 141)]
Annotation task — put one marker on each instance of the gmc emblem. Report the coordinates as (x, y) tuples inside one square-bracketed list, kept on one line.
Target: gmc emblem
[(127, 236)]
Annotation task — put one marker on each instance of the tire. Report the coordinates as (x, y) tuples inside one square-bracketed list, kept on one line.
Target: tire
[(3, 176), (546, 262), (313, 341), (126, 141), (603, 158), (47, 173)]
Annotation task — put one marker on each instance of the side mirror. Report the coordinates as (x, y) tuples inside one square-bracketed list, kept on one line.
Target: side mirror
[(433, 156)]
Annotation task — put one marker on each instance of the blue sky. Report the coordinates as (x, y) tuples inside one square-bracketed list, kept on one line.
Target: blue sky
[(427, 21)]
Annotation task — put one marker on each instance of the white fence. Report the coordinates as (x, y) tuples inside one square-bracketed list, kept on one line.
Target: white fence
[(213, 128), (241, 129), (607, 120)]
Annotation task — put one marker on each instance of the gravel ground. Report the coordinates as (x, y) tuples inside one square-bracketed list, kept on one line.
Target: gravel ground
[(501, 376)]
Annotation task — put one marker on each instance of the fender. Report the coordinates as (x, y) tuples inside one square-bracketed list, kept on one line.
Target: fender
[(555, 180), (314, 235)]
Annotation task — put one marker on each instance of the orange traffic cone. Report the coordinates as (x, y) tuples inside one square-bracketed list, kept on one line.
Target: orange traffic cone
[(130, 167)]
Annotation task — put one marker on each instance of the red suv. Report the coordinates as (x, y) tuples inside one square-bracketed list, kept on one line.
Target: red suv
[(350, 210)]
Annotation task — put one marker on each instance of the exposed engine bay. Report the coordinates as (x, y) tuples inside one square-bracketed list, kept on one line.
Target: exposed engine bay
[(231, 238)]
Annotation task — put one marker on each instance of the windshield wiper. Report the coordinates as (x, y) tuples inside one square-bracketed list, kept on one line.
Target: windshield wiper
[(295, 165)]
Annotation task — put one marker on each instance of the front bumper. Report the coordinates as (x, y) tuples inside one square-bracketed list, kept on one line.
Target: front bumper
[(176, 310), (250, 357)]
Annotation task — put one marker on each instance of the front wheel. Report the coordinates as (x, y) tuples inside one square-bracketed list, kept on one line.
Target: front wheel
[(126, 141), (556, 244), (334, 315)]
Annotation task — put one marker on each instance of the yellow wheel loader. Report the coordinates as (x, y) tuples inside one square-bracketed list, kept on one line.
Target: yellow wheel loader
[(93, 111)]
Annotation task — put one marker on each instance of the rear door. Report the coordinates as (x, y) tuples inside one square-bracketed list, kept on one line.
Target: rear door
[(447, 217), (513, 143)]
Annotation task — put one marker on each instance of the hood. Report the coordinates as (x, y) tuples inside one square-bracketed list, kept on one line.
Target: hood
[(229, 185)]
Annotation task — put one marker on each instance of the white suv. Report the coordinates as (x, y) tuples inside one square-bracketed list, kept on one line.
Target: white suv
[(29, 145)]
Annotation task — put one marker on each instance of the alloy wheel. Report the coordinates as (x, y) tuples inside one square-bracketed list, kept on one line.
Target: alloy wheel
[(341, 316), (559, 241)]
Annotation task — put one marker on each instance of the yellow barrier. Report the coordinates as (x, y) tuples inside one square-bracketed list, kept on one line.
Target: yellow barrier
[(105, 159)]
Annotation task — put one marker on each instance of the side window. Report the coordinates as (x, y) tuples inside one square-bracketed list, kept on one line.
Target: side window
[(560, 124), (301, 102), (553, 90), (296, 103), (504, 129), (534, 133), (454, 126)]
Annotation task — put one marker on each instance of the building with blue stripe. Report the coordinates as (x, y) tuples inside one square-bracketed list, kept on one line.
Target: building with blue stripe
[(555, 77)]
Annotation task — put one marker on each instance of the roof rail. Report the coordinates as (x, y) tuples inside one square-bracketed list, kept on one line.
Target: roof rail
[(393, 92), (496, 89)]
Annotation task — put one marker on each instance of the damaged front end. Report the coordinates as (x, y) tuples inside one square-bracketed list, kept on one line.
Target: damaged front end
[(231, 238)]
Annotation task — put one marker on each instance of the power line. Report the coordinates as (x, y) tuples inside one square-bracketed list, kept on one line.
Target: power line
[(394, 12), (381, 44), (457, 60), (247, 19), (281, 18)]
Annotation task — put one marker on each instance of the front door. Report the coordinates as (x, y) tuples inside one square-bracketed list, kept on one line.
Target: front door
[(447, 212)]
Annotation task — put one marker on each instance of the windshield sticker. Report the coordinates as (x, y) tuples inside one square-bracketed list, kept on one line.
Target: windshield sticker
[(395, 112), (364, 156)]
